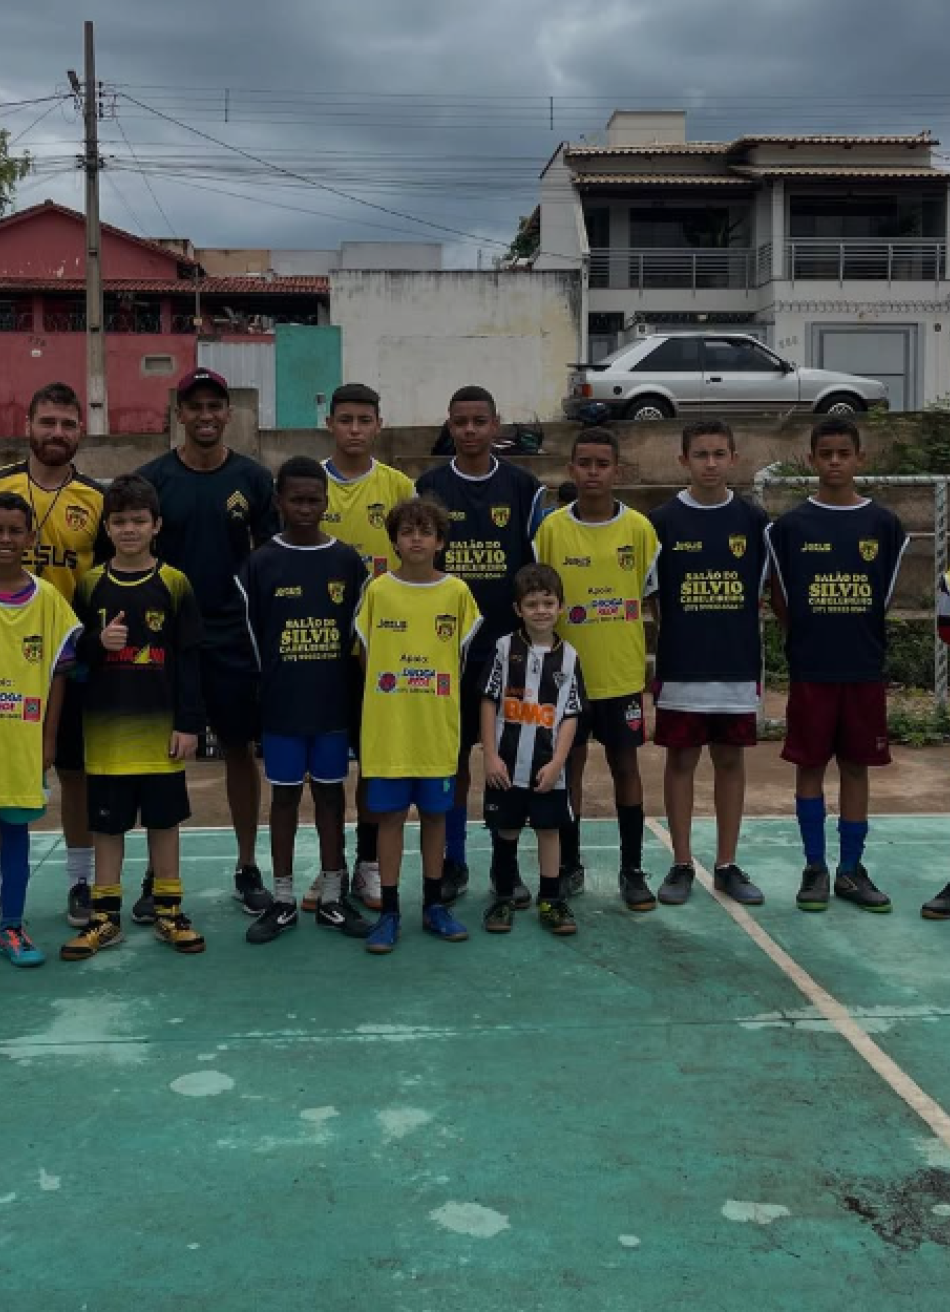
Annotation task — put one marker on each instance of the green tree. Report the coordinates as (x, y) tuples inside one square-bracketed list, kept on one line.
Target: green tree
[(13, 168)]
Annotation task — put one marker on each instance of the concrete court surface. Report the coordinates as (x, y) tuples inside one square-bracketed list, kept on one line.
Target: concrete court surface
[(650, 1115)]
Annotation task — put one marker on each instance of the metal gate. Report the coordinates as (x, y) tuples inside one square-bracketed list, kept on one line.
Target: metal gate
[(246, 364)]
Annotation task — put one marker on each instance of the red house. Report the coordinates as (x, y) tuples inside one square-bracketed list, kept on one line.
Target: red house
[(158, 303)]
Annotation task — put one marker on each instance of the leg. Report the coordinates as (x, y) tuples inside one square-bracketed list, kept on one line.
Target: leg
[(681, 763), (855, 791), (554, 914), (243, 782), (171, 926), (810, 809), (628, 792), (392, 826), (329, 808), (436, 917), (284, 818), (455, 874), (15, 944), (572, 867), (729, 793), (366, 884), (79, 846)]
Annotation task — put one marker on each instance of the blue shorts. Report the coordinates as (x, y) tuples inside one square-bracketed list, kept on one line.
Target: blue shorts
[(434, 796), (289, 759)]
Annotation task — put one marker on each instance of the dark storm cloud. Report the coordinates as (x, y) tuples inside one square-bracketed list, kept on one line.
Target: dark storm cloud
[(748, 65)]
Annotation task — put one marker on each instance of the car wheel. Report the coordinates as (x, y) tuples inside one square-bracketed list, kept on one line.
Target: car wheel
[(841, 403), (648, 409)]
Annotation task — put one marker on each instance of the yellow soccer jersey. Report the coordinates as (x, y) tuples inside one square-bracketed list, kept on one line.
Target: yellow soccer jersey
[(358, 509), (606, 569), (415, 636), (67, 523)]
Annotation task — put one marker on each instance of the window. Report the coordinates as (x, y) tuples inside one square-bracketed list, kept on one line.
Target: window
[(677, 355), (158, 364), (729, 356)]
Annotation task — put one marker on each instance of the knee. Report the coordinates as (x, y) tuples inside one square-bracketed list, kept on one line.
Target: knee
[(286, 799), (726, 759)]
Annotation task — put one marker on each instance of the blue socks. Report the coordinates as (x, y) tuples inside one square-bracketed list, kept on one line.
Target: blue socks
[(455, 822), (852, 835), (14, 873), (811, 821)]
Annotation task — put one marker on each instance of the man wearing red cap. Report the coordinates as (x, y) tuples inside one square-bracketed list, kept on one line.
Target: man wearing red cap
[(217, 506)]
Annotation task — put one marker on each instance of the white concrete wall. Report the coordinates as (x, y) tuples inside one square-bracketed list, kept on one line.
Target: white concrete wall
[(562, 242), (416, 337)]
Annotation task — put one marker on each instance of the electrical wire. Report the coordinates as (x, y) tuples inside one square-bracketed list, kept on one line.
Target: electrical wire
[(158, 205)]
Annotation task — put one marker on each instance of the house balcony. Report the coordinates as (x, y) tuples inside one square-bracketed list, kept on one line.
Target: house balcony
[(686, 269), (913, 259)]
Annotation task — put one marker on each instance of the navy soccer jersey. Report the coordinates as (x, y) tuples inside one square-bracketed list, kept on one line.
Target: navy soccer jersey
[(709, 579), (493, 521), (300, 604), (836, 567)]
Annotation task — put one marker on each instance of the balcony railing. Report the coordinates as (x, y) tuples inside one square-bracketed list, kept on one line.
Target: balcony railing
[(682, 268), (911, 259)]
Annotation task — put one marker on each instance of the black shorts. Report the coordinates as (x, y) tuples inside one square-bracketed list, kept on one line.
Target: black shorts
[(513, 808), (616, 722), (70, 754), (470, 700), (231, 694), (117, 800)]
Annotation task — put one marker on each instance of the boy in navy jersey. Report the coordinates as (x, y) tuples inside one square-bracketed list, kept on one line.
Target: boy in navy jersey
[(835, 558), (301, 591), (710, 574), (532, 696), (494, 508)]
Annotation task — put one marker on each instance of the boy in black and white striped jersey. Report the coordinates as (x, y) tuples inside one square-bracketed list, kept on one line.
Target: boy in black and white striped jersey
[(532, 696)]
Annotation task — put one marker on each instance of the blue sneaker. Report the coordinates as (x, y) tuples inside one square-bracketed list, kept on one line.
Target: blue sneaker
[(384, 934), (438, 920), (17, 947)]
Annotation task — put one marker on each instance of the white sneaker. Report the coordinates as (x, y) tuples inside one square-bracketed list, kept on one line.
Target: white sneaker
[(311, 899), (366, 885)]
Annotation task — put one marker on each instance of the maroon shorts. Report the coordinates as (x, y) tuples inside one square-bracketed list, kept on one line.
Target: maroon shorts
[(848, 720), (680, 729)]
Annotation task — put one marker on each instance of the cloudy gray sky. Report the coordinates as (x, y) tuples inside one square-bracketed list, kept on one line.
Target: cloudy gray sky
[(438, 109)]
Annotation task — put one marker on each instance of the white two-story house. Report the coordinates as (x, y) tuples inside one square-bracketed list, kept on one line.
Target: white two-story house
[(833, 249)]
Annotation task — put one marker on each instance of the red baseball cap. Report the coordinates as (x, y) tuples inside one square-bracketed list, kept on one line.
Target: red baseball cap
[(202, 378)]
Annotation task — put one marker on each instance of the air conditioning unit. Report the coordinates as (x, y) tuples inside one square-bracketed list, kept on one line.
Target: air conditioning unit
[(635, 327)]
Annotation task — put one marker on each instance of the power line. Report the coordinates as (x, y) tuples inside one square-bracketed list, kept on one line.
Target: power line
[(136, 221), (39, 119), (158, 204)]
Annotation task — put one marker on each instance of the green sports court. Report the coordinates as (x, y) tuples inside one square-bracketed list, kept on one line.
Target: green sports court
[(698, 1108)]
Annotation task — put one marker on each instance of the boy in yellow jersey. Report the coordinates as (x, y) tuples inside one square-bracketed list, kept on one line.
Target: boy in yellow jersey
[(415, 625), (361, 492), (606, 554), (36, 631), (141, 716)]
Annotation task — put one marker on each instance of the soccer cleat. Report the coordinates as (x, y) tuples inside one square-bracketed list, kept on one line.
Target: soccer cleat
[(249, 890), (856, 886), (677, 885), (270, 924), (18, 948), (383, 936), (343, 916), (499, 917), (101, 932), (366, 885), (635, 891), (143, 912), (311, 899), (438, 920), (454, 881), (572, 880), (735, 883), (815, 888), (520, 894), (556, 917), (177, 932), (79, 905), (938, 908)]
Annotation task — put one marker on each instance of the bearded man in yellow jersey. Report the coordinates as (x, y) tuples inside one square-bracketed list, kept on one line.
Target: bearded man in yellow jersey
[(605, 554), (69, 538), (360, 494)]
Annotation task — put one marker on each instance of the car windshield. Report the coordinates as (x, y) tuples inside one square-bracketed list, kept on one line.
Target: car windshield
[(618, 354)]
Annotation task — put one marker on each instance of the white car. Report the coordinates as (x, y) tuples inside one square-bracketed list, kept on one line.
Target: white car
[(668, 375)]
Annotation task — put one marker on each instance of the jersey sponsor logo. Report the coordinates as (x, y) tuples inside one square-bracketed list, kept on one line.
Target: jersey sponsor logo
[(577, 615), (376, 514), (397, 626), (380, 565), (457, 515), (579, 562), (687, 546), (332, 517), (288, 592), (500, 515), (445, 626), (524, 712), (337, 591), (631, 610), (33, 648), (145, 656), (816, 546), (626, 558), (155, 619), (77, 517), (868, 548), (237, 506), (386, 682), (44, 556), (11, 703), (443, 685), (31, 709), (737, 544)]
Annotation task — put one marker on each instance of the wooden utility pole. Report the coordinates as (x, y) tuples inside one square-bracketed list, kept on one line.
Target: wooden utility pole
[(97, 405)]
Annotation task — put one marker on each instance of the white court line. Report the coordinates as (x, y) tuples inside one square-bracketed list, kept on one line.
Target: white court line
[(833, 1011)]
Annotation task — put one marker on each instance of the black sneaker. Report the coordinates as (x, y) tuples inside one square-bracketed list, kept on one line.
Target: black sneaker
[(143, 912), (938, 908), (572, 881), (677, 885), (815, 888), (499, 916), (454, 881), (278, 917), (520, 895), (249, 890), (856, 886), (635, 891), (79, 905), (735, 883), (343, 916)]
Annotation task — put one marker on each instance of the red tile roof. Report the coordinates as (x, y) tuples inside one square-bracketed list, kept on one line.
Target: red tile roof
[(658, 180), (277, 286), (53, 207)]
